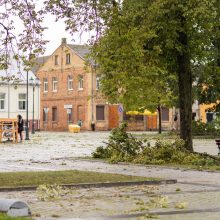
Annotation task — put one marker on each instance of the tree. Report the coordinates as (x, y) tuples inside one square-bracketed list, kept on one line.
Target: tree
[(176, 31), (162, 39), (207, 73), (29, 40)]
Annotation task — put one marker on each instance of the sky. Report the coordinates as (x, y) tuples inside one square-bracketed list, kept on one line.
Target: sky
[(56, 31)]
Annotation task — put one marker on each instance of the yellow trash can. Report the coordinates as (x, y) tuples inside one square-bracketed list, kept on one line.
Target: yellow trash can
[(74, 128)]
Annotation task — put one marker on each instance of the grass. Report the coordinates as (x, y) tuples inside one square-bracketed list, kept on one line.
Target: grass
[(5, 217), (16, 179)]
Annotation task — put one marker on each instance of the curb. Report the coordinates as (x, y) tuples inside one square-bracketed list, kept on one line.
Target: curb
[(94, 185)]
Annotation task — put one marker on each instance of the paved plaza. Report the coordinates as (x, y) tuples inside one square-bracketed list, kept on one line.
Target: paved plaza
[(199, 191)]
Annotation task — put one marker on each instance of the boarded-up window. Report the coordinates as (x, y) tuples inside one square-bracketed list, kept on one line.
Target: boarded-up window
[(54, 114), (165, 114), (100, 112)]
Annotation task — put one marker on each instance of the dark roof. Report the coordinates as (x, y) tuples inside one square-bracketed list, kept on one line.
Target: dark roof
[(81, 50), (39, 62)]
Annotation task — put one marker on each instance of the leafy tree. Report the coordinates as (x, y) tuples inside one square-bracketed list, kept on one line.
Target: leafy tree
[(22, 14), (208, 74), (141, 46), (145, 41)]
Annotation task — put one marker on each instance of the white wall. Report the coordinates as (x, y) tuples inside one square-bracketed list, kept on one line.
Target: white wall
[(11, 101)]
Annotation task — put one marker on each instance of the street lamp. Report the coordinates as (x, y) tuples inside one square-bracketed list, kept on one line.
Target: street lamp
[(35, 82), (27, 128)]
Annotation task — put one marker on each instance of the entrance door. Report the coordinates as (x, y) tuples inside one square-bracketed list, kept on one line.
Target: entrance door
[(151, 122), (113, 118)]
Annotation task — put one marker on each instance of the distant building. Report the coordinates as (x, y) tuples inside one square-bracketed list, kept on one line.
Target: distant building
[(70, 92), (13, 95)]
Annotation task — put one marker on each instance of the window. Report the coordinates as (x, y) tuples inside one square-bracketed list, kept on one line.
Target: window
[(45, 114), (97, 83), (22, 101), (2, 101), (100, 112), (54, 84), (68, 58), (126, 117), (165, 114), (209, 116), (45, 85), (80, 82), (54, 113), (56, 60), (70, 83), (139, 117)]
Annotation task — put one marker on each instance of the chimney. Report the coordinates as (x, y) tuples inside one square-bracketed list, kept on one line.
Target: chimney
[(63, 41)]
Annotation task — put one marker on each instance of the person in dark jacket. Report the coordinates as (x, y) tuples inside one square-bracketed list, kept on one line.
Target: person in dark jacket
[(20, 126)]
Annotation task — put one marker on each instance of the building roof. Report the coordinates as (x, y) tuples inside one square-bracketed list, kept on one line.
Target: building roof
[(39, 62), (81, 50)]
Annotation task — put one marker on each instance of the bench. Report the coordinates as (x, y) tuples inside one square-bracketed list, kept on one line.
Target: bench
[(217, 141)]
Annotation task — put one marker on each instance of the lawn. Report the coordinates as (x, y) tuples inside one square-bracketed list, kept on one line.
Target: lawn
[(5, 217), (16, 179)]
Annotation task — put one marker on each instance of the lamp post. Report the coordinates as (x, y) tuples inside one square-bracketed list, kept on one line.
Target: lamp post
[(34, 82), (27, 128)]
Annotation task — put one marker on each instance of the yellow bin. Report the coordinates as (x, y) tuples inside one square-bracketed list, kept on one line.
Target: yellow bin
[(74, 128)]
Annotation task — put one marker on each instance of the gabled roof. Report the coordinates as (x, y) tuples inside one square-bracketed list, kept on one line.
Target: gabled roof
[(81, 50), (39, 62)]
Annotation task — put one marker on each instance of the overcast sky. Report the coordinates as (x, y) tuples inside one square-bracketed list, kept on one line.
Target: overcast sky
[(56, 31)]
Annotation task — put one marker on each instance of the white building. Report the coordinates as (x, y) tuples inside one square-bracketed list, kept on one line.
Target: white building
[(13, 95)]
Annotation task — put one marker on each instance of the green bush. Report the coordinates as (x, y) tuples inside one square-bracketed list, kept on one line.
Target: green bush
[(122, 147), (211, 128)]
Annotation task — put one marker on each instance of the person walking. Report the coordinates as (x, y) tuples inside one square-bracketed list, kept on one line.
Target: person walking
[(20, 126)]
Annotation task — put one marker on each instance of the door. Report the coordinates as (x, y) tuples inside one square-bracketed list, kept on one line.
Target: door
[(113, 118), (151, 122)]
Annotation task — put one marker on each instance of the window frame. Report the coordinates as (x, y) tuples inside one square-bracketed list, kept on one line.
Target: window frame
[(56, 60), (54, 115), (45, 84), (68, 60), (98, 118), (80, 83), (165, 114), (54, 84), (69, 82), (24, 100), (2, 100)]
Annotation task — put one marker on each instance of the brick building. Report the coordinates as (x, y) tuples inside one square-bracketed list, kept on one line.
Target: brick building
[(70, 92)]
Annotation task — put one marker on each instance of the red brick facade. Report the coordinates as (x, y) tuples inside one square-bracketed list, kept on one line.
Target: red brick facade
[(58, 98)]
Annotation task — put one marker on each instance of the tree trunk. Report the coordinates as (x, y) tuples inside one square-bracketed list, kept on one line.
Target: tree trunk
[(160, 123), (185, 90)]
